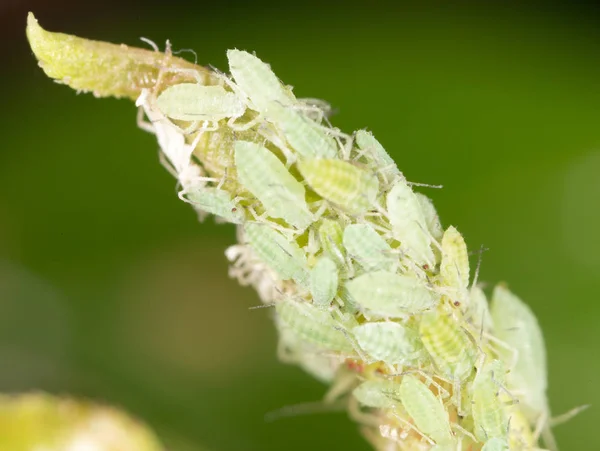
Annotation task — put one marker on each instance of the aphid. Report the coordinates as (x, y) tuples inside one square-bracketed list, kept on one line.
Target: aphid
[(454, 267), (517, 326), (266, 177), (388, 295), (195, 102), (306, 137), (452, 351), (368, 247), (408, 223), (330, 235), (392, 343), (378, 394), (350, 187), (323, 282), (284, 257), (368, 143), (313, 325), (293, 350), (495, 444), (426, 410), (214, 201), (431, 217), (478, 310), (488, 410), (258, 82)]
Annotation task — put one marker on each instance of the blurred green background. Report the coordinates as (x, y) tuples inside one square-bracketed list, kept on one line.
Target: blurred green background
[(111, 289)]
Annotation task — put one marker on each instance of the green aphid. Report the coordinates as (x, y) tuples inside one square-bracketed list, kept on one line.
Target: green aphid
[(426, 410), (306, 137), (195, 102), (349, 187), (389, 342), (488, 410), (215, 201), (378, 394), (331, 235), (454, 267), (432, 219), (373, 148), (313, 325), (385, 294), (258, 82), (408, 224), (323, 282), (282, 255), (267, 178), (366, 246)]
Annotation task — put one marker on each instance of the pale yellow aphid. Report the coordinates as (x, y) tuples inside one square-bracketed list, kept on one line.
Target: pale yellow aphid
[(454, 267), (347, 186), (448, 344), (331, 237)]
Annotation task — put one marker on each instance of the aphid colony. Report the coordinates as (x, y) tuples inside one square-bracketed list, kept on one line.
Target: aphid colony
[(370, 293)]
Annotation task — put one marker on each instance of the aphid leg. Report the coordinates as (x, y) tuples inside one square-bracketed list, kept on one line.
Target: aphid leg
[(361, 417), (412, 427), (354, 344), (441, 390), (305, 408), (463, 431), (231, 123), (564, 417), (342, 386), (542, 428)]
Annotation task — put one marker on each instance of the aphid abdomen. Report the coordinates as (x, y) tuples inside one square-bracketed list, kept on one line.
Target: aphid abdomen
[(306, 137), (488, 410), (349, 187), (426, 410), (313, 325), (195, 102), (281, 255), (330, 235), (389, 342), (517, 326), (323, 282), (389, 295), (454, 268), (368, 247), (267, 178), (373, 149), (408, 223), (378, 394), (448, 345)]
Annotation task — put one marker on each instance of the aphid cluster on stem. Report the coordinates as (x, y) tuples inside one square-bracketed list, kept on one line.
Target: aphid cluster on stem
[(371, 294)]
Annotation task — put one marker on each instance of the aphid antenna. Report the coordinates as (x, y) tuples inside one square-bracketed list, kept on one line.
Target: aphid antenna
[(180, 51), (478, 267), (306, 408), (564, 417), (513, 399), (426, 185), (256, 307), (151, 43)]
